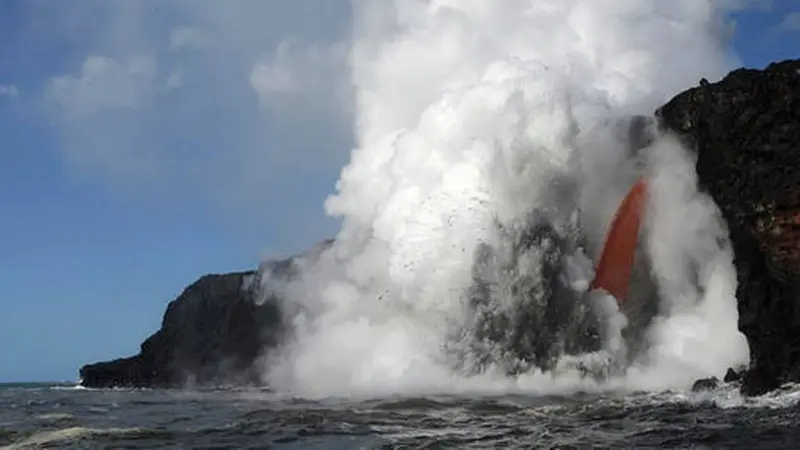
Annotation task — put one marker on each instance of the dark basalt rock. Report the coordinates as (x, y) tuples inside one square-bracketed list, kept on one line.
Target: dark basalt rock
[(760, 379), (214, 333), (705, 384), (211, 334), (746, 131), (732, 376)]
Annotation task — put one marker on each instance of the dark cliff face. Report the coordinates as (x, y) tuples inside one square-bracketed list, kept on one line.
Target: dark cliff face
[(212, 333), (746, 131)]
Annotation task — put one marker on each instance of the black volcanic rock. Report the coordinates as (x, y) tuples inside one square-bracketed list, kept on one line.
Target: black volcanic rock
[(732, 376), (214, 333), (211, 334), (705, 384), (746, 131)]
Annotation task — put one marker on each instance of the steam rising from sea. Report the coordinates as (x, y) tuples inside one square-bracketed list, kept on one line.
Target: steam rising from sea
[(473, 113)]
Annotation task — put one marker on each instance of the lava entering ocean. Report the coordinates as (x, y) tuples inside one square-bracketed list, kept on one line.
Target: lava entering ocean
[(488, 166), (613, 273)]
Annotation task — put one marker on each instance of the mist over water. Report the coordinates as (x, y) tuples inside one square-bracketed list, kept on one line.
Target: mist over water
[(476, 113)]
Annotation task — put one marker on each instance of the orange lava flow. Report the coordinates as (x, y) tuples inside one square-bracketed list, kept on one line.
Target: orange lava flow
[(613, 273)]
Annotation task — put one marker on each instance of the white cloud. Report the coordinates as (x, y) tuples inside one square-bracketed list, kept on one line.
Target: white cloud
[(280, 75), (207, 106), (93, 110), (105, 83), (9, 90), (310, 76), (175, 79), (187, 38), (790, 22)]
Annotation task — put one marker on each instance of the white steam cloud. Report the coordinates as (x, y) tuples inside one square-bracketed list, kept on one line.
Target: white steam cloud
[(468, 111)]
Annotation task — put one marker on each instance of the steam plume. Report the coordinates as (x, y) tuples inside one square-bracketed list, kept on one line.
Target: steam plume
[(473, 113)]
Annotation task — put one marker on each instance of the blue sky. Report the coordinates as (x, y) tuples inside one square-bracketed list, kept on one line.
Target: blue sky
[(146, 143)]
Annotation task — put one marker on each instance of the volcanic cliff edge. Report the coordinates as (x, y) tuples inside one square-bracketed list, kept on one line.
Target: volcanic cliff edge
[(746, 132)]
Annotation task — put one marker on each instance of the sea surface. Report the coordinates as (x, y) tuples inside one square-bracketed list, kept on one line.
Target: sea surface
[(63, 416)]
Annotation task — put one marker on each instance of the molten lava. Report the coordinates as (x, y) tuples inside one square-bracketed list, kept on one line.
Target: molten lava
[(613, 273)]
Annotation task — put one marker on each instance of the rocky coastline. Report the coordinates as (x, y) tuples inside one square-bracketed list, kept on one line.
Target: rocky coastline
[(745, 130)]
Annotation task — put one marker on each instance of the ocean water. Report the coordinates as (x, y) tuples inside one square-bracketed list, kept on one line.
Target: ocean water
[(63, 416)]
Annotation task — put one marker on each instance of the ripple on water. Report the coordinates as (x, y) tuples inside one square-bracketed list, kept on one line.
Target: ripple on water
[(226, 419)]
